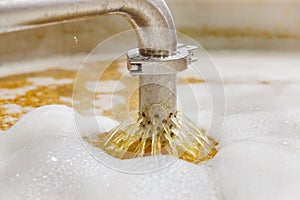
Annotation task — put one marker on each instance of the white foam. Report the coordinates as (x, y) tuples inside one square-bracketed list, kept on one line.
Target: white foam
[(48, 161), (42, 157)]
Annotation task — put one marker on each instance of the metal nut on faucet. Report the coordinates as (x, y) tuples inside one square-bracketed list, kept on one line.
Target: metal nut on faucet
[(179, 61)]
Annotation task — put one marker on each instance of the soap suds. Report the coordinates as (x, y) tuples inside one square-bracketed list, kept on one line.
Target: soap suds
[(41, 157), (47, 160)]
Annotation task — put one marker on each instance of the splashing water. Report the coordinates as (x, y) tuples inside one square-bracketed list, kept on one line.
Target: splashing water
[(141, 136)]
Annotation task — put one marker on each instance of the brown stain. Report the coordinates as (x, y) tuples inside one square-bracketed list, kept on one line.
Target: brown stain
[(190, 80), (56, 73), (13, 84), (111, 72), (265, 82), (52, 93), (194, 80), (44, 95), (299, 23), (233, 32), (4, 115)]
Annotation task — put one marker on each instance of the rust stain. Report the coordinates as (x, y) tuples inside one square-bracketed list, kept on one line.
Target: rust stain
[(265, 82), (233, 32), (13, 84), (4, 115), (190, 80), (43, 95), (56, 73), (52, 93), (194, 80)]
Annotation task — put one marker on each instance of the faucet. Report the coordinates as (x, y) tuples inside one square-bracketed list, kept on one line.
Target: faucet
[(24, 14), (156, 61), (151, 19)]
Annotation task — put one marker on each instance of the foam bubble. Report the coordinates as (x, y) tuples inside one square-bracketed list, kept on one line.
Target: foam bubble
[(43, 157)]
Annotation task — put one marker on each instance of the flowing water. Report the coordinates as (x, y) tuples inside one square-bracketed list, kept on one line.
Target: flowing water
[(178, 137)]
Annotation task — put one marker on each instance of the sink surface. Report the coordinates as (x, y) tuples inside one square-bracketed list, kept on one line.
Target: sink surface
[(259, 148)]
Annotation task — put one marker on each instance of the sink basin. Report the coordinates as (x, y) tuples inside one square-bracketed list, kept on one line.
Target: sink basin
[(43, 156)]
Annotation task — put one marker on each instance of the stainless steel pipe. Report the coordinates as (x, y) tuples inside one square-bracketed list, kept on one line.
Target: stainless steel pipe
[(156, 36), (24, 14)]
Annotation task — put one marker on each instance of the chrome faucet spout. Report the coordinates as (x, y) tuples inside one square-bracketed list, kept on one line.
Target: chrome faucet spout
[(24, 14)]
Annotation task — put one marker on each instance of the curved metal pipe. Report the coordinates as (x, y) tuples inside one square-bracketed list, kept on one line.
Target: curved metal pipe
[(142, 14)]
